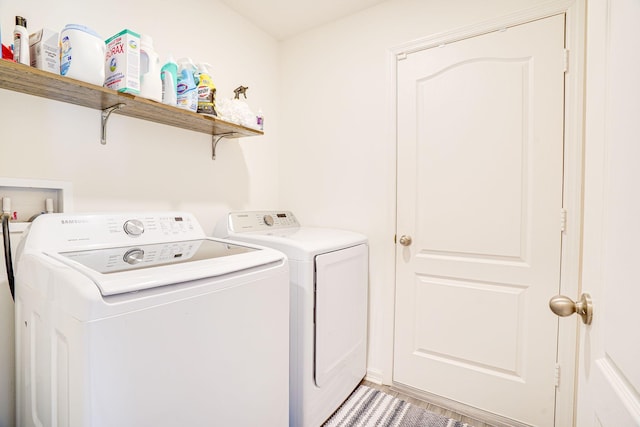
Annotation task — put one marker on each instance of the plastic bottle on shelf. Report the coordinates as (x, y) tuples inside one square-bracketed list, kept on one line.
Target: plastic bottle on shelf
[(187, 86), (21, 42), (150, 81), (82, 54), (206, 90), (169, 77)]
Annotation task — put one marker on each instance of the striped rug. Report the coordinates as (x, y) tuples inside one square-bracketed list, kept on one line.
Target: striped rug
[(367, 407)]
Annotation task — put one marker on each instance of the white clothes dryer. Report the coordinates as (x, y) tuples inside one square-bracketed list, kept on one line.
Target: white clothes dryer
[(141, 320), (329, 282)]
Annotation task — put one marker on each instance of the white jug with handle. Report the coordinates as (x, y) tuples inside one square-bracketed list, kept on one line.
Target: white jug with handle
[(82, 53)]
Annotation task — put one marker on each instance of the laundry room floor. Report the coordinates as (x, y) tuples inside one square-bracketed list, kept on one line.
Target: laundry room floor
[(428, 406)]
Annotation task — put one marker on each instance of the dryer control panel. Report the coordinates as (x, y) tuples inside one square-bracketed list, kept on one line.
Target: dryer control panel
[(241, 222)]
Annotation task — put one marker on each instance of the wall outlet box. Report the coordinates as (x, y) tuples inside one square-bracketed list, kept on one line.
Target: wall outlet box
[(122, 62), (44, 50), (29, 196)]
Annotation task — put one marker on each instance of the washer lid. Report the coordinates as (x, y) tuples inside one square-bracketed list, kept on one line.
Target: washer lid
[(123, 269)]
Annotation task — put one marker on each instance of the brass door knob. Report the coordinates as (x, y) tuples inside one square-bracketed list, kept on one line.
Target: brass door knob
[(405, 240), (565, 306)]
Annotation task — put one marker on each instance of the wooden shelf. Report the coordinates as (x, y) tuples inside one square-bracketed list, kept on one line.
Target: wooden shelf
[(32, 81)]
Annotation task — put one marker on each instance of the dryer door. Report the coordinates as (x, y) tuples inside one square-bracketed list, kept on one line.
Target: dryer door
[(341, 314)]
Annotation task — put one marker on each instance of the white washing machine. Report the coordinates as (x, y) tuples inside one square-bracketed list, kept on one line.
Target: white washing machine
[(141, 320), (329, 282)]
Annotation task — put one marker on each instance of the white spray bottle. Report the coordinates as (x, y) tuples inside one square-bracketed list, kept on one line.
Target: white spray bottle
[(21, 42)]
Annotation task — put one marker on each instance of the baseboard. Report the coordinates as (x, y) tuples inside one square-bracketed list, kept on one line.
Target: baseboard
[(374, 376), (478, 414)]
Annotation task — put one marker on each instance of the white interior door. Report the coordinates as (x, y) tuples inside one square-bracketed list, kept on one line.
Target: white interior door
[(480, 158), (609, 356)]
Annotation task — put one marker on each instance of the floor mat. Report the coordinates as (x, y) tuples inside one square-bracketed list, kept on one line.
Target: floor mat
[(367, 407)]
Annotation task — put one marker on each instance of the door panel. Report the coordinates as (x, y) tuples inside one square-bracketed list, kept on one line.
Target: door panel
[(503, 357), (609, 372), (495, 228), (480, 157)]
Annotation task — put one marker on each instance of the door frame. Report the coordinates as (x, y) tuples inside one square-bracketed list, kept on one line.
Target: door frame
[(575, 26)]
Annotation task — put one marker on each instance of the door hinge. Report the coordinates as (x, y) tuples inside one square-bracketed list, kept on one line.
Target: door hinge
[(556, 375), (563, 220), (565, 60)]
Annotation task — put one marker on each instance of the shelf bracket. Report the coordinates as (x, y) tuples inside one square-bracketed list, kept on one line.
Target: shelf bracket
[(215, 139), (105, 117)]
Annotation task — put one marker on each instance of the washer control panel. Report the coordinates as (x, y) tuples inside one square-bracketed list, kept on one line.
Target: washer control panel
[(173, 226), (240, 222), (71, 231)]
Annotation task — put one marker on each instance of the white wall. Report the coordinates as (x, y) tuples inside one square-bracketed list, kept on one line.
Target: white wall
[(339, 116), (144, 165)]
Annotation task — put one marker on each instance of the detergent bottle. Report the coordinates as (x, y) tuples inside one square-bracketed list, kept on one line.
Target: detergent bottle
[(206, 90), (150, 82), (82, 54), (169, 77), (187, 87)]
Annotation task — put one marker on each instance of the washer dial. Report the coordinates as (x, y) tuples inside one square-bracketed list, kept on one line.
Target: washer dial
[(133, 227), (133, 256)]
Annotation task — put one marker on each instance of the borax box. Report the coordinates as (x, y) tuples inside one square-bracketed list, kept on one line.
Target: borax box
[(122, 63)]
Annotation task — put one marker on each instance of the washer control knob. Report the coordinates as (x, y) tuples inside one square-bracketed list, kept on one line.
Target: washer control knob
[(133, 227), (133, 256), (268, 219)]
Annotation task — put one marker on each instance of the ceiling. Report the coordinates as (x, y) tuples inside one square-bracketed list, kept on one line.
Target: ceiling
[(286, 18)]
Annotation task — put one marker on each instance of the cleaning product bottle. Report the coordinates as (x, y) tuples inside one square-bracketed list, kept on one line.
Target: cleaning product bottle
[(187, 87), (21, 42), (150, 81), (206, 90), (169, 77)]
